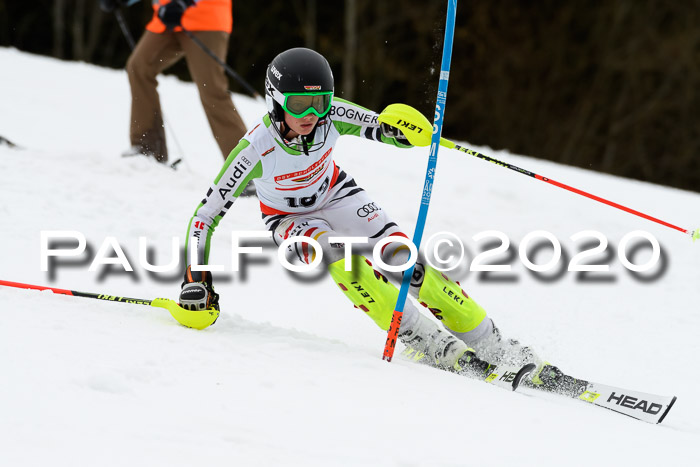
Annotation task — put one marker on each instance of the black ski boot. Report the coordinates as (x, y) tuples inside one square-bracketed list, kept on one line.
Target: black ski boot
[(471, 365), (552, 379)]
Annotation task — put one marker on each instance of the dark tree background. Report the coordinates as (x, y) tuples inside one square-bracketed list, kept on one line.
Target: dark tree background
[(606, 85)]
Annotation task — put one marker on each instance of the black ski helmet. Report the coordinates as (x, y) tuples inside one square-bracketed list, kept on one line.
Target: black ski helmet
[(298, 70)]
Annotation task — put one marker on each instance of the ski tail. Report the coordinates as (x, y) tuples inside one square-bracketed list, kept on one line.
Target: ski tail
[(650, 408), (668, 409)]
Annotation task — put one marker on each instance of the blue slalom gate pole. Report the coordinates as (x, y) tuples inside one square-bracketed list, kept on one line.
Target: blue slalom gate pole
[(429, 176)]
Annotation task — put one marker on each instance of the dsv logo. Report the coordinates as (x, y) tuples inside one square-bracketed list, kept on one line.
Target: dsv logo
[(368, 209)]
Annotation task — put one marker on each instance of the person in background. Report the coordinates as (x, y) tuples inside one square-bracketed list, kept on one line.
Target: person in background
[(161, 46)]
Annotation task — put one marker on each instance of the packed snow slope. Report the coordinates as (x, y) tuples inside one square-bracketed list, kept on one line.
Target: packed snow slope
[(291, 374)]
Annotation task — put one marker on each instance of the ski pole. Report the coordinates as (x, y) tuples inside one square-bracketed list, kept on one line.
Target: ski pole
[(694, 234), (416, 127), (132, 45), (223, 64), (440, 105), (198, 319), (124, 28)]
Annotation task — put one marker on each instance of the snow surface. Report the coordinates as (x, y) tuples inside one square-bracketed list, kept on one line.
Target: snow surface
[(290, 378)]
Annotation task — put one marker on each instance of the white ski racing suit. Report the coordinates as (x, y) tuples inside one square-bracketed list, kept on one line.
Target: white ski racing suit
[(307, 194), (291, 184)]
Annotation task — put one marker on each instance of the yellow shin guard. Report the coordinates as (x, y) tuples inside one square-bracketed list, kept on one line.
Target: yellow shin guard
[(366, 288), (449, 303)]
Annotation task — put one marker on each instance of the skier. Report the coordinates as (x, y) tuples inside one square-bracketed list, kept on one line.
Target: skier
[(289, 157)]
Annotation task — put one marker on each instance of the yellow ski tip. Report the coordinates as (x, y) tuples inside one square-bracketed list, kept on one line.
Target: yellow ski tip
[(199, 319)]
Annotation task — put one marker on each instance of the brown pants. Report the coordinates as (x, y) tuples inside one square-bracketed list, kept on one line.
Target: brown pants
[(156, 52)]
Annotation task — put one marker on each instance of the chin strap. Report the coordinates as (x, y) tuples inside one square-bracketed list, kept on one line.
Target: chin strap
[(310, 137), (306, 142), (286, 131)]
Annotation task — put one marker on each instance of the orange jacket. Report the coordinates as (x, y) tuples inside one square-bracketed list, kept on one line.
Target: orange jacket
[(205, 15)]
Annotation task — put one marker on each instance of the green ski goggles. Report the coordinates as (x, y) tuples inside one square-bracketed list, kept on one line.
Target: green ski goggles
[(304, 103)]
